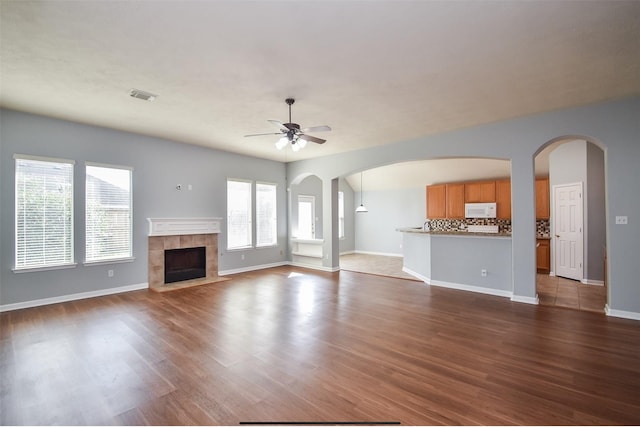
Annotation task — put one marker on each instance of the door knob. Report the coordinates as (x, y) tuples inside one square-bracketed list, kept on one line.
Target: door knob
[(557, 236)]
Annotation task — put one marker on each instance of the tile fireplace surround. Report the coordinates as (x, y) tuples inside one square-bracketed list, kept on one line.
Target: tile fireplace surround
[(171, 234)]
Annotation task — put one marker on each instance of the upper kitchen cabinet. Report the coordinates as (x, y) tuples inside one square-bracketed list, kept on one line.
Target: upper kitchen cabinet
[(484, 191), (436, 201), (542, 198), (503, 199), (455, 200)]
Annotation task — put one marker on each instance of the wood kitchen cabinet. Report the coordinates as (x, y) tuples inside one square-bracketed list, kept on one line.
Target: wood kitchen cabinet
[(542, 198), (455, 200), (483, 191), (436, 201), (503, 199), (543, 255)]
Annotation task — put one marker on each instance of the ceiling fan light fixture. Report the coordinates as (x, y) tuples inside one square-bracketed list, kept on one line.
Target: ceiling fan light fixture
[(282, 143), (301, 142), (295, 147)]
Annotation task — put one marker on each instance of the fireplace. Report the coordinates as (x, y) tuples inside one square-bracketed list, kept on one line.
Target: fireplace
[(196, 240), (183, 264)]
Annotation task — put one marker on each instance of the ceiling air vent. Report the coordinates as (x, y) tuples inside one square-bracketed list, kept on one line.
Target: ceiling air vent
[(142, 95)]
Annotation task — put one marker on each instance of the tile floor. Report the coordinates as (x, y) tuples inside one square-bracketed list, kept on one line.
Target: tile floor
[(562, 292)]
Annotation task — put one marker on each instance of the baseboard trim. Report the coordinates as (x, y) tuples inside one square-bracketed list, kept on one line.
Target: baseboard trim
[(251, 268), (621, 314), (374, 253), (346, 253), (315, 267), (597, 282), (416, 274), (472, 288), (526, 299), (71, 297)]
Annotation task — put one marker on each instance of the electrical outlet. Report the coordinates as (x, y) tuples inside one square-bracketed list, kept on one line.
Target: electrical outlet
[(110, 273), (483, 272), (242, 257), (621, 219)]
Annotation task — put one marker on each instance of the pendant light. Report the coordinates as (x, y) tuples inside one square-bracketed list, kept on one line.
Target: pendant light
[(361, 208)]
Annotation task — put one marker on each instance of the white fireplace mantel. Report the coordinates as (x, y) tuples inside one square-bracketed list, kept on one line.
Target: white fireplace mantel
[(183, 226)]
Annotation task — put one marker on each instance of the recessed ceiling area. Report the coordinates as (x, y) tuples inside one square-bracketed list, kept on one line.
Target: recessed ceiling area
[(376, 72)]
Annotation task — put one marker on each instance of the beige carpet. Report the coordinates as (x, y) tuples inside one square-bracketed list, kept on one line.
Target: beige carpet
[(376, 265)]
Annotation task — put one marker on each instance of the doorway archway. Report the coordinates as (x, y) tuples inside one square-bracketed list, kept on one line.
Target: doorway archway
[(575, 238)]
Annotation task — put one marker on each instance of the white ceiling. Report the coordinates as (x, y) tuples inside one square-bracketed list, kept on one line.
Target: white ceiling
[(377, 72)]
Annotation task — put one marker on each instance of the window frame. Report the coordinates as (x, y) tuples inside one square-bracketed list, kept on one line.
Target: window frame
[(70, 263), (112, 260), (275, 218), (250, 216)]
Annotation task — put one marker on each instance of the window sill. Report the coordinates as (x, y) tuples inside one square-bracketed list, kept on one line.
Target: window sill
[(236, 249), (260, 247), (110, 261), (44, 268)]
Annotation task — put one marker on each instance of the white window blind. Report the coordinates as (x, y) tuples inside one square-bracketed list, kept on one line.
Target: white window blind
[(238, 214), (108, 213), (266, 215), (44, 212)]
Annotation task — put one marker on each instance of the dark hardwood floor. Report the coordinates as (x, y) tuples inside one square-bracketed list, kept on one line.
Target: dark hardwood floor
[(294, 345)]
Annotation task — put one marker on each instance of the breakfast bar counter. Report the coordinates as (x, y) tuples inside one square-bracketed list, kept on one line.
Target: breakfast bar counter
[(472, 261)]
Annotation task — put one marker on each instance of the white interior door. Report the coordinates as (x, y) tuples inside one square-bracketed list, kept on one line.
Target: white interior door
[(568, 234), (306, 217)]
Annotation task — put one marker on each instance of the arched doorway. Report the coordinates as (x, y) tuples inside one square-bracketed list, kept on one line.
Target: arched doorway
[(572, 237)]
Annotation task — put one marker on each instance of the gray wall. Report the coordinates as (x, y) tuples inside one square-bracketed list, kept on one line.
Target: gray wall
[(348, 243), (159, 165), (581, 161), (388, 210), (615, 126), (596, 216)]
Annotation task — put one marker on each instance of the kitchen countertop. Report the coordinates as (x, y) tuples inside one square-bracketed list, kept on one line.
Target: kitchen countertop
[(453, 232)]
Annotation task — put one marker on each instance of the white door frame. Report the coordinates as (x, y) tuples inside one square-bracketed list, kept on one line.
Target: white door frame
[(312, 199), (578, 274)]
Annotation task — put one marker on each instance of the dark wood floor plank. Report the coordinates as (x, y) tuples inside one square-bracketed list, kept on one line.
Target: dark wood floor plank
[(294, 345)]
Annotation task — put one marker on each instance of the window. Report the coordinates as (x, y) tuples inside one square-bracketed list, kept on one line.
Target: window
[(266, 215), (341, 215), (44, 212), (238, 214), (107, 213), (306, 217)]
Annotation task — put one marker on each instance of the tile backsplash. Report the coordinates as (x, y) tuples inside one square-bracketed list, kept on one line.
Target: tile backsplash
[(449, 225), (543, 227)]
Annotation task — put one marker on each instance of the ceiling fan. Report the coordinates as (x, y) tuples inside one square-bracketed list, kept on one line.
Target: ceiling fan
[(292, 134)]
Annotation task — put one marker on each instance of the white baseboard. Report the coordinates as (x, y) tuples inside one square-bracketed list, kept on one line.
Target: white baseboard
[(251, 268), (473, 288), (346, 253), (552, 273), (416, 274), (593, 282), (70, 297), (316, 267), (373, 253), (621, 314), (526, 299), (456, 286)]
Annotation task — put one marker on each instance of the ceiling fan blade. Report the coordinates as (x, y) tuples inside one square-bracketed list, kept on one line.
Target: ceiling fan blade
[(317, 129), (312, 139), (283, 126), (270, 133)]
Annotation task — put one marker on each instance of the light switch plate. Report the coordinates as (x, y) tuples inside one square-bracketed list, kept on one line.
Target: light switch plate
[(621, 219)]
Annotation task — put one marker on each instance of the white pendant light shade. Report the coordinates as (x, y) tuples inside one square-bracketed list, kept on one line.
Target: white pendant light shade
[(361, 208), (282, 143), (301, 142)]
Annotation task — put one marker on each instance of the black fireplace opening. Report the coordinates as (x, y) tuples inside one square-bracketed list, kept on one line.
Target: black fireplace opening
[(184, 263)]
